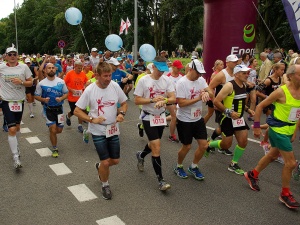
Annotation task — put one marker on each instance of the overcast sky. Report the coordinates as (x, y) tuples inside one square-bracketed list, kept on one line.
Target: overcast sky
[(7, 7)]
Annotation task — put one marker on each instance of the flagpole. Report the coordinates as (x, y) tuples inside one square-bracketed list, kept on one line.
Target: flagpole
[(16, 25), (135, 31)]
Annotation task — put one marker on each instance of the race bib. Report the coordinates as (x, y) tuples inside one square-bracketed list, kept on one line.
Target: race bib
[(159, 120), (195, 113), (77, 93), (240, 122), (112, 129), (294, 114), (60, 118), (15, 106)]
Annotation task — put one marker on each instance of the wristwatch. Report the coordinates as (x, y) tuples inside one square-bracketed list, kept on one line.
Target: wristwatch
[(22, 82), (91, 119), (123, 113)]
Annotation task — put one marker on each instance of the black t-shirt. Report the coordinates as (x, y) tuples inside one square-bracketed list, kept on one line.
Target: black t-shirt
[(138, 67)]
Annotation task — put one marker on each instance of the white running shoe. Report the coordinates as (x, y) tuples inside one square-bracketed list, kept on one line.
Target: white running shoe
[(17, 164), (31, 115)]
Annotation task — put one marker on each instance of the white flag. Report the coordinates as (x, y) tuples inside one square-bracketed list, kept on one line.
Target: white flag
[(128, 24)]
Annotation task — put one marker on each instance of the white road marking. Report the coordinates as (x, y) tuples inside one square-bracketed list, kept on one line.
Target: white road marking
[(44, 152), (33, 140), (82, 192), (60, 169), (113, 220), (25, 130)]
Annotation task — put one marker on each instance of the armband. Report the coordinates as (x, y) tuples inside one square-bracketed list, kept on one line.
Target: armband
[(256, 124), (166, 100), (227, 112)]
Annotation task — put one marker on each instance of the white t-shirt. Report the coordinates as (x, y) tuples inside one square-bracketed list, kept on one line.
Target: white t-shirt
[(94, 61), (252, 76), (174, 79), (8, 90), (188, 89), (150, 88), (102, 102)]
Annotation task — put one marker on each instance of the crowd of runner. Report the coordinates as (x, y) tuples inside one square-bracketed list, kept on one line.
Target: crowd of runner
[(168, 94)]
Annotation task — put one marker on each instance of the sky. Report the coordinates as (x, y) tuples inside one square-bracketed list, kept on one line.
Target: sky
[(7, 7)]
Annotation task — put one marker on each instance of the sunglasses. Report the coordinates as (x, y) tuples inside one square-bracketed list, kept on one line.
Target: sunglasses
[(12, 54)]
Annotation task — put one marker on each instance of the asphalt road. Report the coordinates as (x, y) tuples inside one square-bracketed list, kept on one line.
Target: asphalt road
[(36, 195)]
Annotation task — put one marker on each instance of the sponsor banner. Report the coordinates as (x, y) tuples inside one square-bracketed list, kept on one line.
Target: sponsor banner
[(229, 28), (292, 10)]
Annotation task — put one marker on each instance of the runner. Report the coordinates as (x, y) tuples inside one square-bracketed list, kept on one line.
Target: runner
[(282, 122), (14, 77), (102, 98), (153, 92), (52, 91)]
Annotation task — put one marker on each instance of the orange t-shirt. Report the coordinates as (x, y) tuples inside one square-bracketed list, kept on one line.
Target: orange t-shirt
[(77, 82)]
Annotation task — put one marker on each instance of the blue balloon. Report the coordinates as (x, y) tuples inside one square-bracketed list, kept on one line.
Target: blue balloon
[(113, 42), (147, 52), (73, 16)]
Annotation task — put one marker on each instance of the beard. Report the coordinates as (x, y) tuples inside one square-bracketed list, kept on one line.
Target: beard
[(51, 74)]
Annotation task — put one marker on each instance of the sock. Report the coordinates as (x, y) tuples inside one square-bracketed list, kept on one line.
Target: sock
[(30, 106), (179, 165), (18, 135), (13, 144), (54, 146), (215, 144), (285, 191), (146, 151), (79, 125), (238, 152), (255, 173), (142, 126), (105, 184), (193, 165), (214, 135), (156, 162)]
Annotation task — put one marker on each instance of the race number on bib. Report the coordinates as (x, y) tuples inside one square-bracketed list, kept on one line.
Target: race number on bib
[(294, 114), (195, 113), (112, 129), (159, 120), (240, 122), (15, 106), (77, 93), (60, 118)]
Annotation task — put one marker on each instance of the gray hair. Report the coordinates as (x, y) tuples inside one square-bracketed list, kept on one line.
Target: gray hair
[(277, 55), (263, 54)]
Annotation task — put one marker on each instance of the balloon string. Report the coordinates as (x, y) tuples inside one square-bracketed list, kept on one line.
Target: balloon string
[(84, 38)]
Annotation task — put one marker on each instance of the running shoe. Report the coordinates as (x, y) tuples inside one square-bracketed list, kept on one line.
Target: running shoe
[(179, 171), (163, 185), (266, 148), (253, 182), (296, 172), (5, 127), (68, 121), (106, 192), (173, 138), (31, 115), (225, 151), (80, 129), (250, 119), (234, 167), (55, 153), (289, 201), (196, 173), (140, 164), (279, 159), (17, 163), (141, 130), (85, 136)]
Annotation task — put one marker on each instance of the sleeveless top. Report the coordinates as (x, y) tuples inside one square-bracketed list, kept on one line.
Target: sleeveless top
[(236, 100), (227, 79), (288, 112), (272, 87)]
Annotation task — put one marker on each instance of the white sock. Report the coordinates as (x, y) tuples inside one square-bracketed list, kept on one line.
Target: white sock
[(13, 144), (105, 184), (30, 106), (194, 165), (179, 165), (18, 135)]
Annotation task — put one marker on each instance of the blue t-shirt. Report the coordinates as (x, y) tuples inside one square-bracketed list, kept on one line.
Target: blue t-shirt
[(59, 69), (118, 75)]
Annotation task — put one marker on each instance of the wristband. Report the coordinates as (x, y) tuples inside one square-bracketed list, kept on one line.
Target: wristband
[(256, 124), (227, 112), (166, 100)]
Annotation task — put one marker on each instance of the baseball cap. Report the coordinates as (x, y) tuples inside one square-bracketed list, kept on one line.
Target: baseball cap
[(94, 50), (11, 49), (113, 61), (27, 60), (149, 67), (100, 52), (240, 68), (194, 57), (34, 56), (161, 66), (197, 65), (231, 58), (177, 64), (119, 58)]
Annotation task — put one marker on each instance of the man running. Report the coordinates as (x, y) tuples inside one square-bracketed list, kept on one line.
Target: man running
[(14, 77)]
